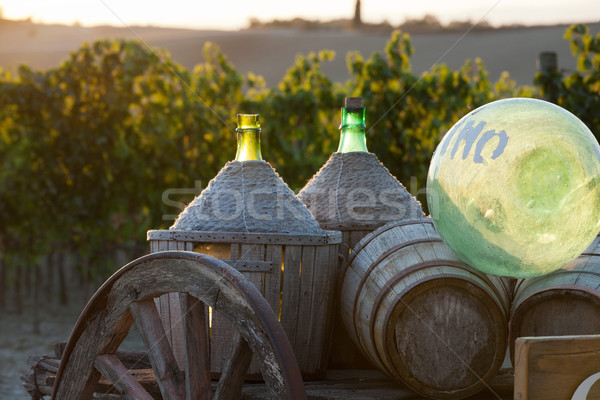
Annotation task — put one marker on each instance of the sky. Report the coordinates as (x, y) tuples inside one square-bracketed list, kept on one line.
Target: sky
[(235, 14)]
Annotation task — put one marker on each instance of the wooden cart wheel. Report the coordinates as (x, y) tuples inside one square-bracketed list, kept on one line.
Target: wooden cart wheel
[(129, 295)]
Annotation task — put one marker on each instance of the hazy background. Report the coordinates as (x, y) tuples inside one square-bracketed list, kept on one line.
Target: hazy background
[(49, 30), (234, 14)]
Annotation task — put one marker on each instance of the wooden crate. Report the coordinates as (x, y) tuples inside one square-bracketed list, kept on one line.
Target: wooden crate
[(555, 367), (297, 275), (355, 194)]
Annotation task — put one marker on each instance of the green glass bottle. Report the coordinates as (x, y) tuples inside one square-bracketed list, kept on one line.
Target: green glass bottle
[(248, 138), (352, 129)]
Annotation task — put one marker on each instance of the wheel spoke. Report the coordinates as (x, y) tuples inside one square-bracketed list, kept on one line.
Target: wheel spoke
[(232, 377), (197, 352), (114, 370), (131, 291), (168, 375)]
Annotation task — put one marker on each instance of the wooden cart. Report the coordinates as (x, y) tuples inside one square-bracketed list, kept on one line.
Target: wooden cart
[(129, 295), (90, 361)]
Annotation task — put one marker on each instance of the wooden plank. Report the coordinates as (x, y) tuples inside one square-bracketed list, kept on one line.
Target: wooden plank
[(130, 359), (373, 385), (175, 328), (323, 294), (232, 379), (162, 302), (344, 353), (254, 252), (291, 291), (356, 236), (304, 306), (552, 367), (272, 293), (110, 366), (345, 247), (197, 350), (145, 377), (251, 265), (222, 330), (247, 238), (169, 376)]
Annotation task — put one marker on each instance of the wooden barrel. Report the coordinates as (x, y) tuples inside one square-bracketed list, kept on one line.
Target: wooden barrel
[(564, 302), (422, 316)]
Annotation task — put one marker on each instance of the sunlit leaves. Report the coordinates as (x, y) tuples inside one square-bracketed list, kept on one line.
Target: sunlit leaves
[(88, 148)]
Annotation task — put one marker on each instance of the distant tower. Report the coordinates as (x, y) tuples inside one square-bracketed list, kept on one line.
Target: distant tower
[(357, 22)]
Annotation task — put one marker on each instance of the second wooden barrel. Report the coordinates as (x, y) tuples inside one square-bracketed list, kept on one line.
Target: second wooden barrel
[(564, 302), (422, 316)]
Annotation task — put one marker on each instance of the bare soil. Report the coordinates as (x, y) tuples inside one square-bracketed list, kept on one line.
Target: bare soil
[(24, 335)]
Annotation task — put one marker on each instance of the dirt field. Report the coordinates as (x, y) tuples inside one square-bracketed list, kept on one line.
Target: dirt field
[(19, 340), (270, 53), (27, 334)]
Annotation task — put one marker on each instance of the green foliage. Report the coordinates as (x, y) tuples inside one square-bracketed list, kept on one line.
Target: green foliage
[(298, 127), (579, 92), (97, 151)]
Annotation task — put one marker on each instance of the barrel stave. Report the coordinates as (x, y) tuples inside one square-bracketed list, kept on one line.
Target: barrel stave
[(422, 316)]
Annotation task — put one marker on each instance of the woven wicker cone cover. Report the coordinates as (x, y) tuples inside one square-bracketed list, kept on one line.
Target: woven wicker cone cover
[(247, 196), (355, 190)]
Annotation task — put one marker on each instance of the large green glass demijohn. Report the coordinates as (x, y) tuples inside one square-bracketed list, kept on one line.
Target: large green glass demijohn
[(248, 138), (513, 187), (352, 128)]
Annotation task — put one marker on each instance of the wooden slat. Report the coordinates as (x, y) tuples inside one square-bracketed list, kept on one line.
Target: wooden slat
[(373, 385), (196, 350), (232, 378), (552, 368), (251, 265), (356, 236), (344, 353), (345, 246), (305, 303), (254, 252), (323, 293), (291, 291), (272, 294), (235, 237), (110, 366), (222, 330), (144, 377), (162, 302), (130, 359), (169, 376), (175, 328)]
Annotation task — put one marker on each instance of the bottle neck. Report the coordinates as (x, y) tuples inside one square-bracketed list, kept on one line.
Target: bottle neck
[(248, 138), (352, 131)]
